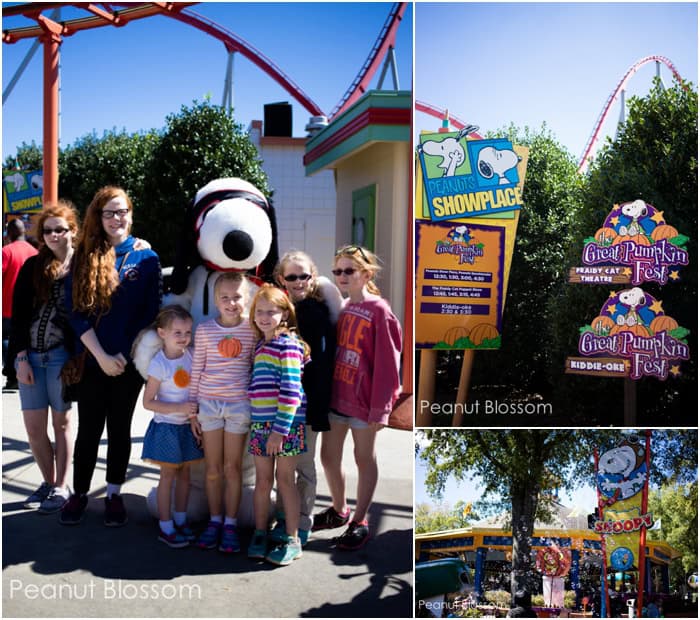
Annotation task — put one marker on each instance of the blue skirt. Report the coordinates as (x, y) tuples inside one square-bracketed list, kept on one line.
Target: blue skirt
[(170, 444)]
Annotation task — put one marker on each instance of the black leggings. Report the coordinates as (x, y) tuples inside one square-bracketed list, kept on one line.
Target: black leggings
[(111, 399)]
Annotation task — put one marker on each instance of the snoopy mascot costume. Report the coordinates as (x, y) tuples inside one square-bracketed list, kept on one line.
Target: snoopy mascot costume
[(230, 226)]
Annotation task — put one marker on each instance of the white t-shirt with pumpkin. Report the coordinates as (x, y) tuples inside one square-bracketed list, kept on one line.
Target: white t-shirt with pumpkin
[(175, 376)]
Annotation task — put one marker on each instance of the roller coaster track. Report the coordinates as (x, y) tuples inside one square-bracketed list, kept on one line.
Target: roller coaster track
[(597, 128), (106, 16), (103, 14), (440, 113), (234, 43), (385, 41)]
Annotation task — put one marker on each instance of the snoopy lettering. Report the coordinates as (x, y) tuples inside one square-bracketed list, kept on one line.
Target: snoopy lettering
[(633, 298)]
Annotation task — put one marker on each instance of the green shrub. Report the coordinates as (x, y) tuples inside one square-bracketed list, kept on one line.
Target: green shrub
[(569, 599), (501, 598)]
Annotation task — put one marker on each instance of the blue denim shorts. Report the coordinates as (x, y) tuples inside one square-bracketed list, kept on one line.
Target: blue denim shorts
[(347, 420), (47, 387)]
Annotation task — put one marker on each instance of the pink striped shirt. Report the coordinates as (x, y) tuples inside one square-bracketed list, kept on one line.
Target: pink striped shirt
[(222, 362)]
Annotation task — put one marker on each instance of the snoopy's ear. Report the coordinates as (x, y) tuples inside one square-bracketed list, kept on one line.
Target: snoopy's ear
[(267, 266), (186, 255)]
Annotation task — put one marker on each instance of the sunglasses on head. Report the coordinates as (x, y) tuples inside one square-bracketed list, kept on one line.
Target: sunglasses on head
[(348, 271), (292, 277), (352, 249), (59, 230)]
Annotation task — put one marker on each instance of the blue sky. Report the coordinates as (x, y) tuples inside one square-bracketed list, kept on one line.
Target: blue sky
[(495, 63), (133, 77), (470, 491)]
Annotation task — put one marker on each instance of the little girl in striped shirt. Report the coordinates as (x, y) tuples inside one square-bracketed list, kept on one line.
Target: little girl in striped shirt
[(278, 406), (223, 356)]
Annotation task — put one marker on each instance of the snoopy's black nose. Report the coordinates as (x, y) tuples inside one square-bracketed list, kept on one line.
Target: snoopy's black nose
[(238, 245)]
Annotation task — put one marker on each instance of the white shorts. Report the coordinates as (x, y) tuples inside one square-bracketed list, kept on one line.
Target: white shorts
[(348, 420), (232, 417)]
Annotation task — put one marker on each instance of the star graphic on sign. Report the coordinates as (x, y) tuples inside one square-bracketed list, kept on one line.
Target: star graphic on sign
[(628, 365), (656, 307), (673, 274), (675, 370), (658, 217), (612, 294), (615, 220), (612, 309), (626, 271)]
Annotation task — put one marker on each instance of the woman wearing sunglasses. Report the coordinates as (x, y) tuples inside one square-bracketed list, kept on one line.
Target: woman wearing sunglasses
[(317, 303), (366, 383), (38, 342), (113, 292)]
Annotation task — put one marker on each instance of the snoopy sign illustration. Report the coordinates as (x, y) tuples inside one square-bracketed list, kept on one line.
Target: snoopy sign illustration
[(622, 474), (465, 178)]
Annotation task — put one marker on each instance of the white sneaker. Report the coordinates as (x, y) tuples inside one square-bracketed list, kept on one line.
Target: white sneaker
[(56, 499)]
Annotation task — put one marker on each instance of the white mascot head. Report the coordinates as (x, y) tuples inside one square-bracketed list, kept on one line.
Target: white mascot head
[(230, 226)]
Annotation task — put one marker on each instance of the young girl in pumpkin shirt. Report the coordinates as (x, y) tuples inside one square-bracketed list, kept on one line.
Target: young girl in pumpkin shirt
[(221, 367), (169, 441)]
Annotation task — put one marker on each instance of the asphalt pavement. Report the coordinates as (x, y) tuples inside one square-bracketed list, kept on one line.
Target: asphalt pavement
[(90, 570)]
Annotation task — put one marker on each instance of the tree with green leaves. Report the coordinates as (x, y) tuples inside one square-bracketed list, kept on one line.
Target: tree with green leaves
[(654, 157), (432, 518), (199, 144), (161, 170), (676, 506), (519, 469)]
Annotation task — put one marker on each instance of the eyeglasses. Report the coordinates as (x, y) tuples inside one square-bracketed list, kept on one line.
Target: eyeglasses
[(352, 249), (292, 277), (348, 271), (59, 230), (120, 213)]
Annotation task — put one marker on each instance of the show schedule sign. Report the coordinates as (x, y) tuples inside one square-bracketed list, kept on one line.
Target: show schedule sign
[(459, 284), (468, 196)]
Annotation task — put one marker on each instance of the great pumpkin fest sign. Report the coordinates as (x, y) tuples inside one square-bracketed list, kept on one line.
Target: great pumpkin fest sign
[(467, 203), (634, 245), (633, 337)]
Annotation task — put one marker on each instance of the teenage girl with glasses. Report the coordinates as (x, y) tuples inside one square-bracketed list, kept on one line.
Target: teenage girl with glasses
[(366, 383), (41, 342), (112, 293)]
